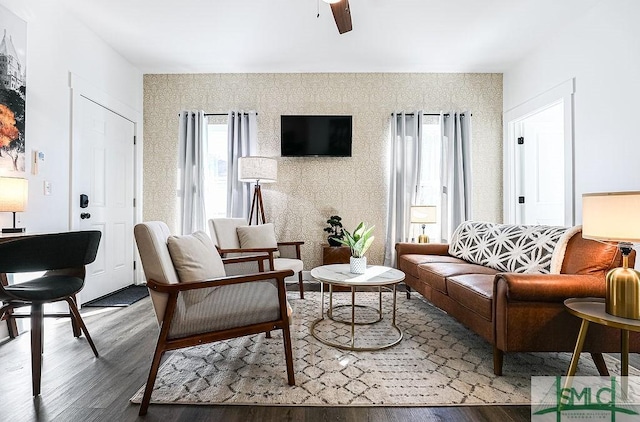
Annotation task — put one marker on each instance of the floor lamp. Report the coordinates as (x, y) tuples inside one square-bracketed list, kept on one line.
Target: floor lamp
[(259, 170)]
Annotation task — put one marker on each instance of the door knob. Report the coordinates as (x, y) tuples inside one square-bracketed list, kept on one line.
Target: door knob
[(85, 215)]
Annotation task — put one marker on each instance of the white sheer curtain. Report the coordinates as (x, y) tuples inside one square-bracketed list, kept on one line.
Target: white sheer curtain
[(242, 142), (456, 171), (191, 154), (406, 144)]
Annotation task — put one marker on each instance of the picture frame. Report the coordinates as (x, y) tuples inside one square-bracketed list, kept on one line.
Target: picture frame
[(13, 92)]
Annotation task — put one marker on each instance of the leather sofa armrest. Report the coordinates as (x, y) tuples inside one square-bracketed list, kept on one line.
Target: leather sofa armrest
[(547, 287), (404, 248)]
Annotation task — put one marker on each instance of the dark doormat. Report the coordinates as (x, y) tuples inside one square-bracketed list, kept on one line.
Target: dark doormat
[(121, 298)]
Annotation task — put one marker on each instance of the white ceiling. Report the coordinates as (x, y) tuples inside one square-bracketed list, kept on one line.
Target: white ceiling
[(196, 36)]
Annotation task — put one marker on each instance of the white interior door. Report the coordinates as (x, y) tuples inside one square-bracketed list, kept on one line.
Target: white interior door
[(104, 159), (540, 169), (541, 172)]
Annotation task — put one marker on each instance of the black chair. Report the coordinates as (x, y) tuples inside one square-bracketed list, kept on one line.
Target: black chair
[(63, 256)]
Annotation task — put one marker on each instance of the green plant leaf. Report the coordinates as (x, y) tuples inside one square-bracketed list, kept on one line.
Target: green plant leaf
[(359, 241), (367, 244), (357, 233)]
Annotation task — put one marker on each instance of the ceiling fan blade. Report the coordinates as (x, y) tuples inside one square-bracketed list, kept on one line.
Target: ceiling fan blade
[(342, 15)]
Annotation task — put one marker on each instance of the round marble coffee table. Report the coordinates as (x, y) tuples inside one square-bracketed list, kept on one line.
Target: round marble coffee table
[(374, 276)]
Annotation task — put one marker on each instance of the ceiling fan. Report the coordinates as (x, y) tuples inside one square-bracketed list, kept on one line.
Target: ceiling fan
[(341, 14)]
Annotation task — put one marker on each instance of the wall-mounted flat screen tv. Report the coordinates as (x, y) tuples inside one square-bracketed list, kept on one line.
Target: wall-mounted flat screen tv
[(328, 136)]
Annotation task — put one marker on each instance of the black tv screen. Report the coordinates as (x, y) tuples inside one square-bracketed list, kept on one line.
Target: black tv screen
[(328, 136)]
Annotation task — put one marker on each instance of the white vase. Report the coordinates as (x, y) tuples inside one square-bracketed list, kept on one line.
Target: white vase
[(358, 265)]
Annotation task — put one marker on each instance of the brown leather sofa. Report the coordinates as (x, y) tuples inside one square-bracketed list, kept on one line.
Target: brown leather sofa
[(517, 312)]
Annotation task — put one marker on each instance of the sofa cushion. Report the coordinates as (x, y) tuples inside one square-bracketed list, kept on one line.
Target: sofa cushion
[(510, 248), (435, 274), (409, 263), (584, 256), (473, 291)]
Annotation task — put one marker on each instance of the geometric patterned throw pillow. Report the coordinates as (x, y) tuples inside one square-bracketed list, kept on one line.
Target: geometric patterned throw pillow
[(509, 248)]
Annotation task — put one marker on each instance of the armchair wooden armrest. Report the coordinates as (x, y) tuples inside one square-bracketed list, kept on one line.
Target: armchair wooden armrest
[(246, 250), (261, 255), (298, 243)]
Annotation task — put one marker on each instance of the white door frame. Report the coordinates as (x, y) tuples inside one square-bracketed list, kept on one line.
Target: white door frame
[(564, 93), (82, 88)]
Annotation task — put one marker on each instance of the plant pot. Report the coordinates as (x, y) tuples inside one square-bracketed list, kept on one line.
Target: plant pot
[(358, 265), (333, 242)]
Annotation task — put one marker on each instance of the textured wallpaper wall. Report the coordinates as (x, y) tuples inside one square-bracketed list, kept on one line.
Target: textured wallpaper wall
[(309, 190)]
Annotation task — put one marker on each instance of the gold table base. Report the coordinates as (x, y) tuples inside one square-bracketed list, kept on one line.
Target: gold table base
[(352, 323)]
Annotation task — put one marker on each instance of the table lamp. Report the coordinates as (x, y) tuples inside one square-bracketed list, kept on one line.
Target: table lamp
[(423, 214), (13, 198), (613, 217), (258, 170)]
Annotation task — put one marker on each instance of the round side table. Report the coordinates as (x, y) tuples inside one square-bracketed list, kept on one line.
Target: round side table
[(374, 276), (593, 310)]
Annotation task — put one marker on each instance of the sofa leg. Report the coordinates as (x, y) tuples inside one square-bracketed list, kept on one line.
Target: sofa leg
[(598, 359), (498, 357), (408, 291)]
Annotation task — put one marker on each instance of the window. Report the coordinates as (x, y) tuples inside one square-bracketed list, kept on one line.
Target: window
[(429, 185), (215, 175)]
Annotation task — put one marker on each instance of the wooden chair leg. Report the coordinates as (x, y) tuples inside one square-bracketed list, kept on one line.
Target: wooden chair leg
[(498, 358), (598, 359), (12, 327), (74, 323), (288, 353), (268, 334), (151, 380), (300, 284), (78, 318), (37, 317), (408, 291)]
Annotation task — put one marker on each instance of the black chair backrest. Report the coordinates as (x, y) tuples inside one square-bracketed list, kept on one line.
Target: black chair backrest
[(49, 251)]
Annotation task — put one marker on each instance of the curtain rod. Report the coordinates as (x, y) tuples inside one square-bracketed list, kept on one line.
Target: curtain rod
[(223, 114), (434, 114), (219, 114)]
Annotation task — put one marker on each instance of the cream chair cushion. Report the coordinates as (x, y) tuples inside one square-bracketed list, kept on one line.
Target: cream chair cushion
[(288, 264), (195, 258), (223, 231), (228, 307), (260, 236)]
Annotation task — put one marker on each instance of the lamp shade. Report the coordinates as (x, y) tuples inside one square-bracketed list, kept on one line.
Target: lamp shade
[(13, 194), (262, 169), (611, 216), (423, 214)]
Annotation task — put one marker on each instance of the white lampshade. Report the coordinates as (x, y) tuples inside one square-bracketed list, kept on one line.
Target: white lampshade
[(13, 194), (257, 169), (612, 216), (423, 214)]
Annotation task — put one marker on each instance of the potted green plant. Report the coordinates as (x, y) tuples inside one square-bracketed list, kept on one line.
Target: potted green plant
[(359, 242), (335, 230)]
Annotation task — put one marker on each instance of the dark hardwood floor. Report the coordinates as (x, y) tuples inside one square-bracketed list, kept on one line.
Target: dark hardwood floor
[(78, 387)]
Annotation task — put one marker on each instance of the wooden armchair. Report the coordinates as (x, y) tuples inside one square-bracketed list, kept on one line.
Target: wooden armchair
[(200, 298), (233, 236)]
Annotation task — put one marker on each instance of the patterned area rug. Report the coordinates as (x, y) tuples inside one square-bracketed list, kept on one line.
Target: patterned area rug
[(438, 362)]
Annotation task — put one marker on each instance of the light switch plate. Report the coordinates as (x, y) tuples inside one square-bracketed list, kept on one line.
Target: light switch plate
[(47, 187)]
